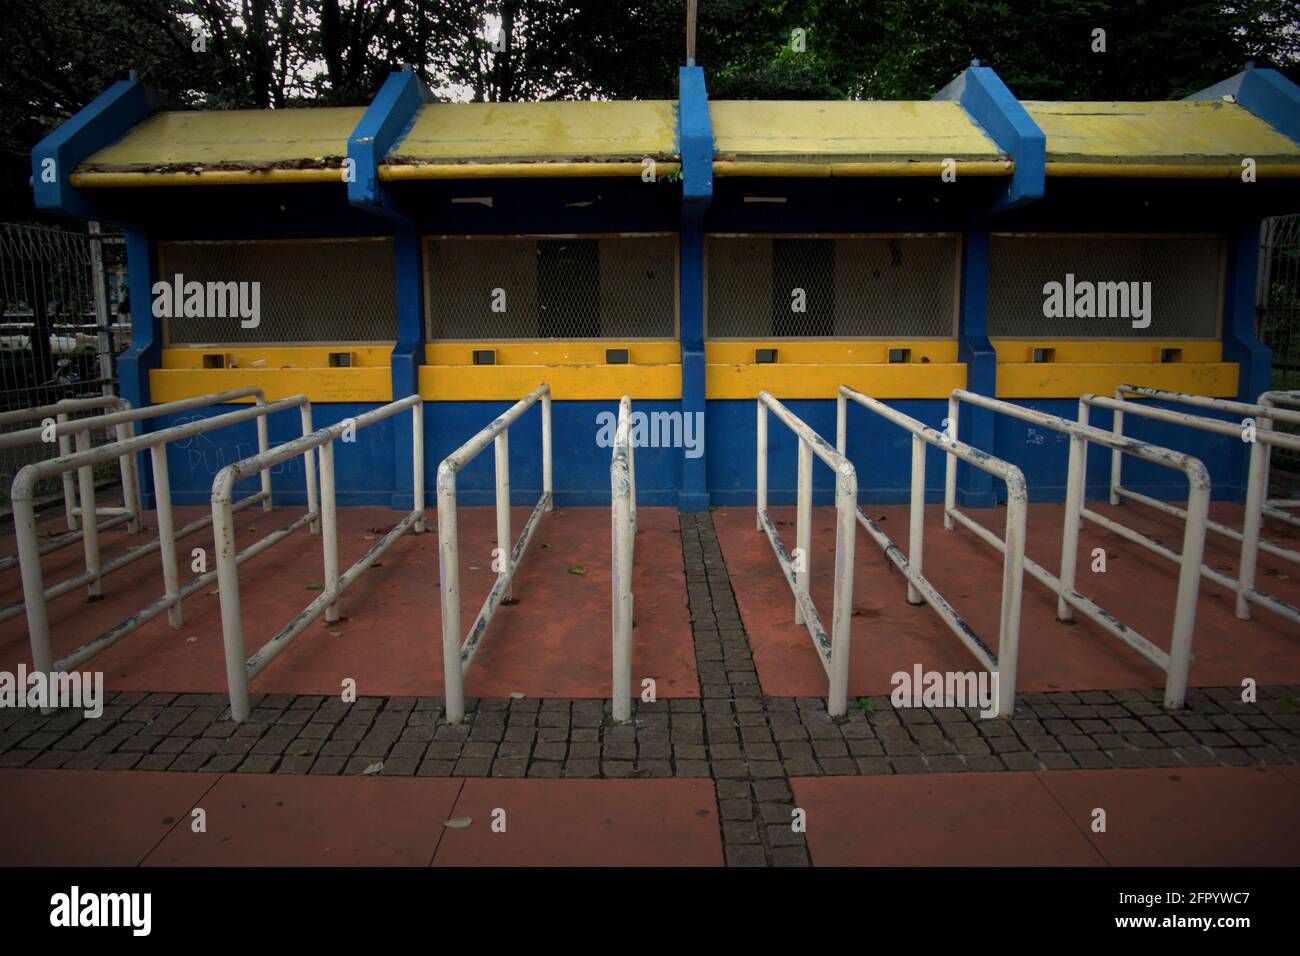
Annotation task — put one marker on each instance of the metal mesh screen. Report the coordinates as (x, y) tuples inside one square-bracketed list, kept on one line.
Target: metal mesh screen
[(572, 288), (850, 287), (1184, 273), (327, 290)]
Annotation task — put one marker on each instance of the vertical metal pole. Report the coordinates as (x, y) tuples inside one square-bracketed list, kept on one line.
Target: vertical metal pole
[(950, 467), (100, 295), (1256, 492), (1083, 455), (1013, 580), (264, 445), (916, 525), (803, 524), (309, 473), (622, 593), (130, 479), (1070, 533), (1116, 456), (841, 421), (232, 623), (846, 504), (329, 529), (760, 465), (631, 472), (453, 677), (89, 521), (548, 487), (501, 446), (29, 560), (1189, 585), (417, 464), (69, 494), (166, 533)]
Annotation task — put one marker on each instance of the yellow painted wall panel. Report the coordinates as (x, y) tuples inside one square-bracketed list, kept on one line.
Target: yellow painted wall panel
[(472, 383), (934, 380), (1070, 380), (319, 384)]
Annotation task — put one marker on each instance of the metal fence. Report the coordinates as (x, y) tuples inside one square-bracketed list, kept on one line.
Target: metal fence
[(64, 317), (902, 286), (1277, 314), (526, 287)]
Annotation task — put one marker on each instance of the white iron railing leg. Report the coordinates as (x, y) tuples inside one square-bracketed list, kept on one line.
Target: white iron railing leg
[(950, 467), (89, 519), (1189, 586), (1256, 491), (803, 525), (1070, 532), (449, 582), (166, 534), (548, 488), (760, 473), (232, 623), (263, 446), (846, 527), (504, 545), (69, 492), (329, 529), (417, 463), (1116, 456), (916, 519)]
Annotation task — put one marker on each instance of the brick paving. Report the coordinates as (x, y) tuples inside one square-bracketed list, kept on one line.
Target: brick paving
[(750, 744)]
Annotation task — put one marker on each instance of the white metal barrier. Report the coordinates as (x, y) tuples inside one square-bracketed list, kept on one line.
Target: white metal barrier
[(81, 428), (129, 514), (1175, 663), (239, 672), (1273, 507), (833, 649), (622, 485), (1012, 545), (457, 654), (36, 594), (1265, 440)]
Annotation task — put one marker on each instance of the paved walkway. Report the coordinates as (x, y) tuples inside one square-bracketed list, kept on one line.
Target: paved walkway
[(751, 753), (1192, 817)]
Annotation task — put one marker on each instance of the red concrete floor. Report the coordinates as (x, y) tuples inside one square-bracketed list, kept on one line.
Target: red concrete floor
[(554, 643), (130, 818), (1193, 816), (889, 635)]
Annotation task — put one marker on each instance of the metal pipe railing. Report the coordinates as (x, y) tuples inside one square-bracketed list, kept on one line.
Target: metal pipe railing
[(79, 429), (1256, 484), (128, 514), (1176, 662), (1273, 507), (622, 483), (34, 592), (833, 649), (457, 654), (240, 672), (919, 589)]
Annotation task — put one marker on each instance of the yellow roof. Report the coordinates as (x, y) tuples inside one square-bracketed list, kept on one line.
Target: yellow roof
[(849, 132), (1183, 132), (231, 140), (548, 132)]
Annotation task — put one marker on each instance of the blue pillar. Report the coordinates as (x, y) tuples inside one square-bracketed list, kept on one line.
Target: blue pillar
[(695, 145), (995, 109), (975, 487), (385, 122)]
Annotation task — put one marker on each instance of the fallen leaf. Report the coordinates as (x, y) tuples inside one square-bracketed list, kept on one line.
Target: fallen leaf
[(214, 593), (253, 526), (516, 695), (315, 587), (458, 823), (190, 640), (336, 633), (577, 569), (373, 768)]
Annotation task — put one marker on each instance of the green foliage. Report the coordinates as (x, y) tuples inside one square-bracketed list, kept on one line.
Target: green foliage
[(275, 53)]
